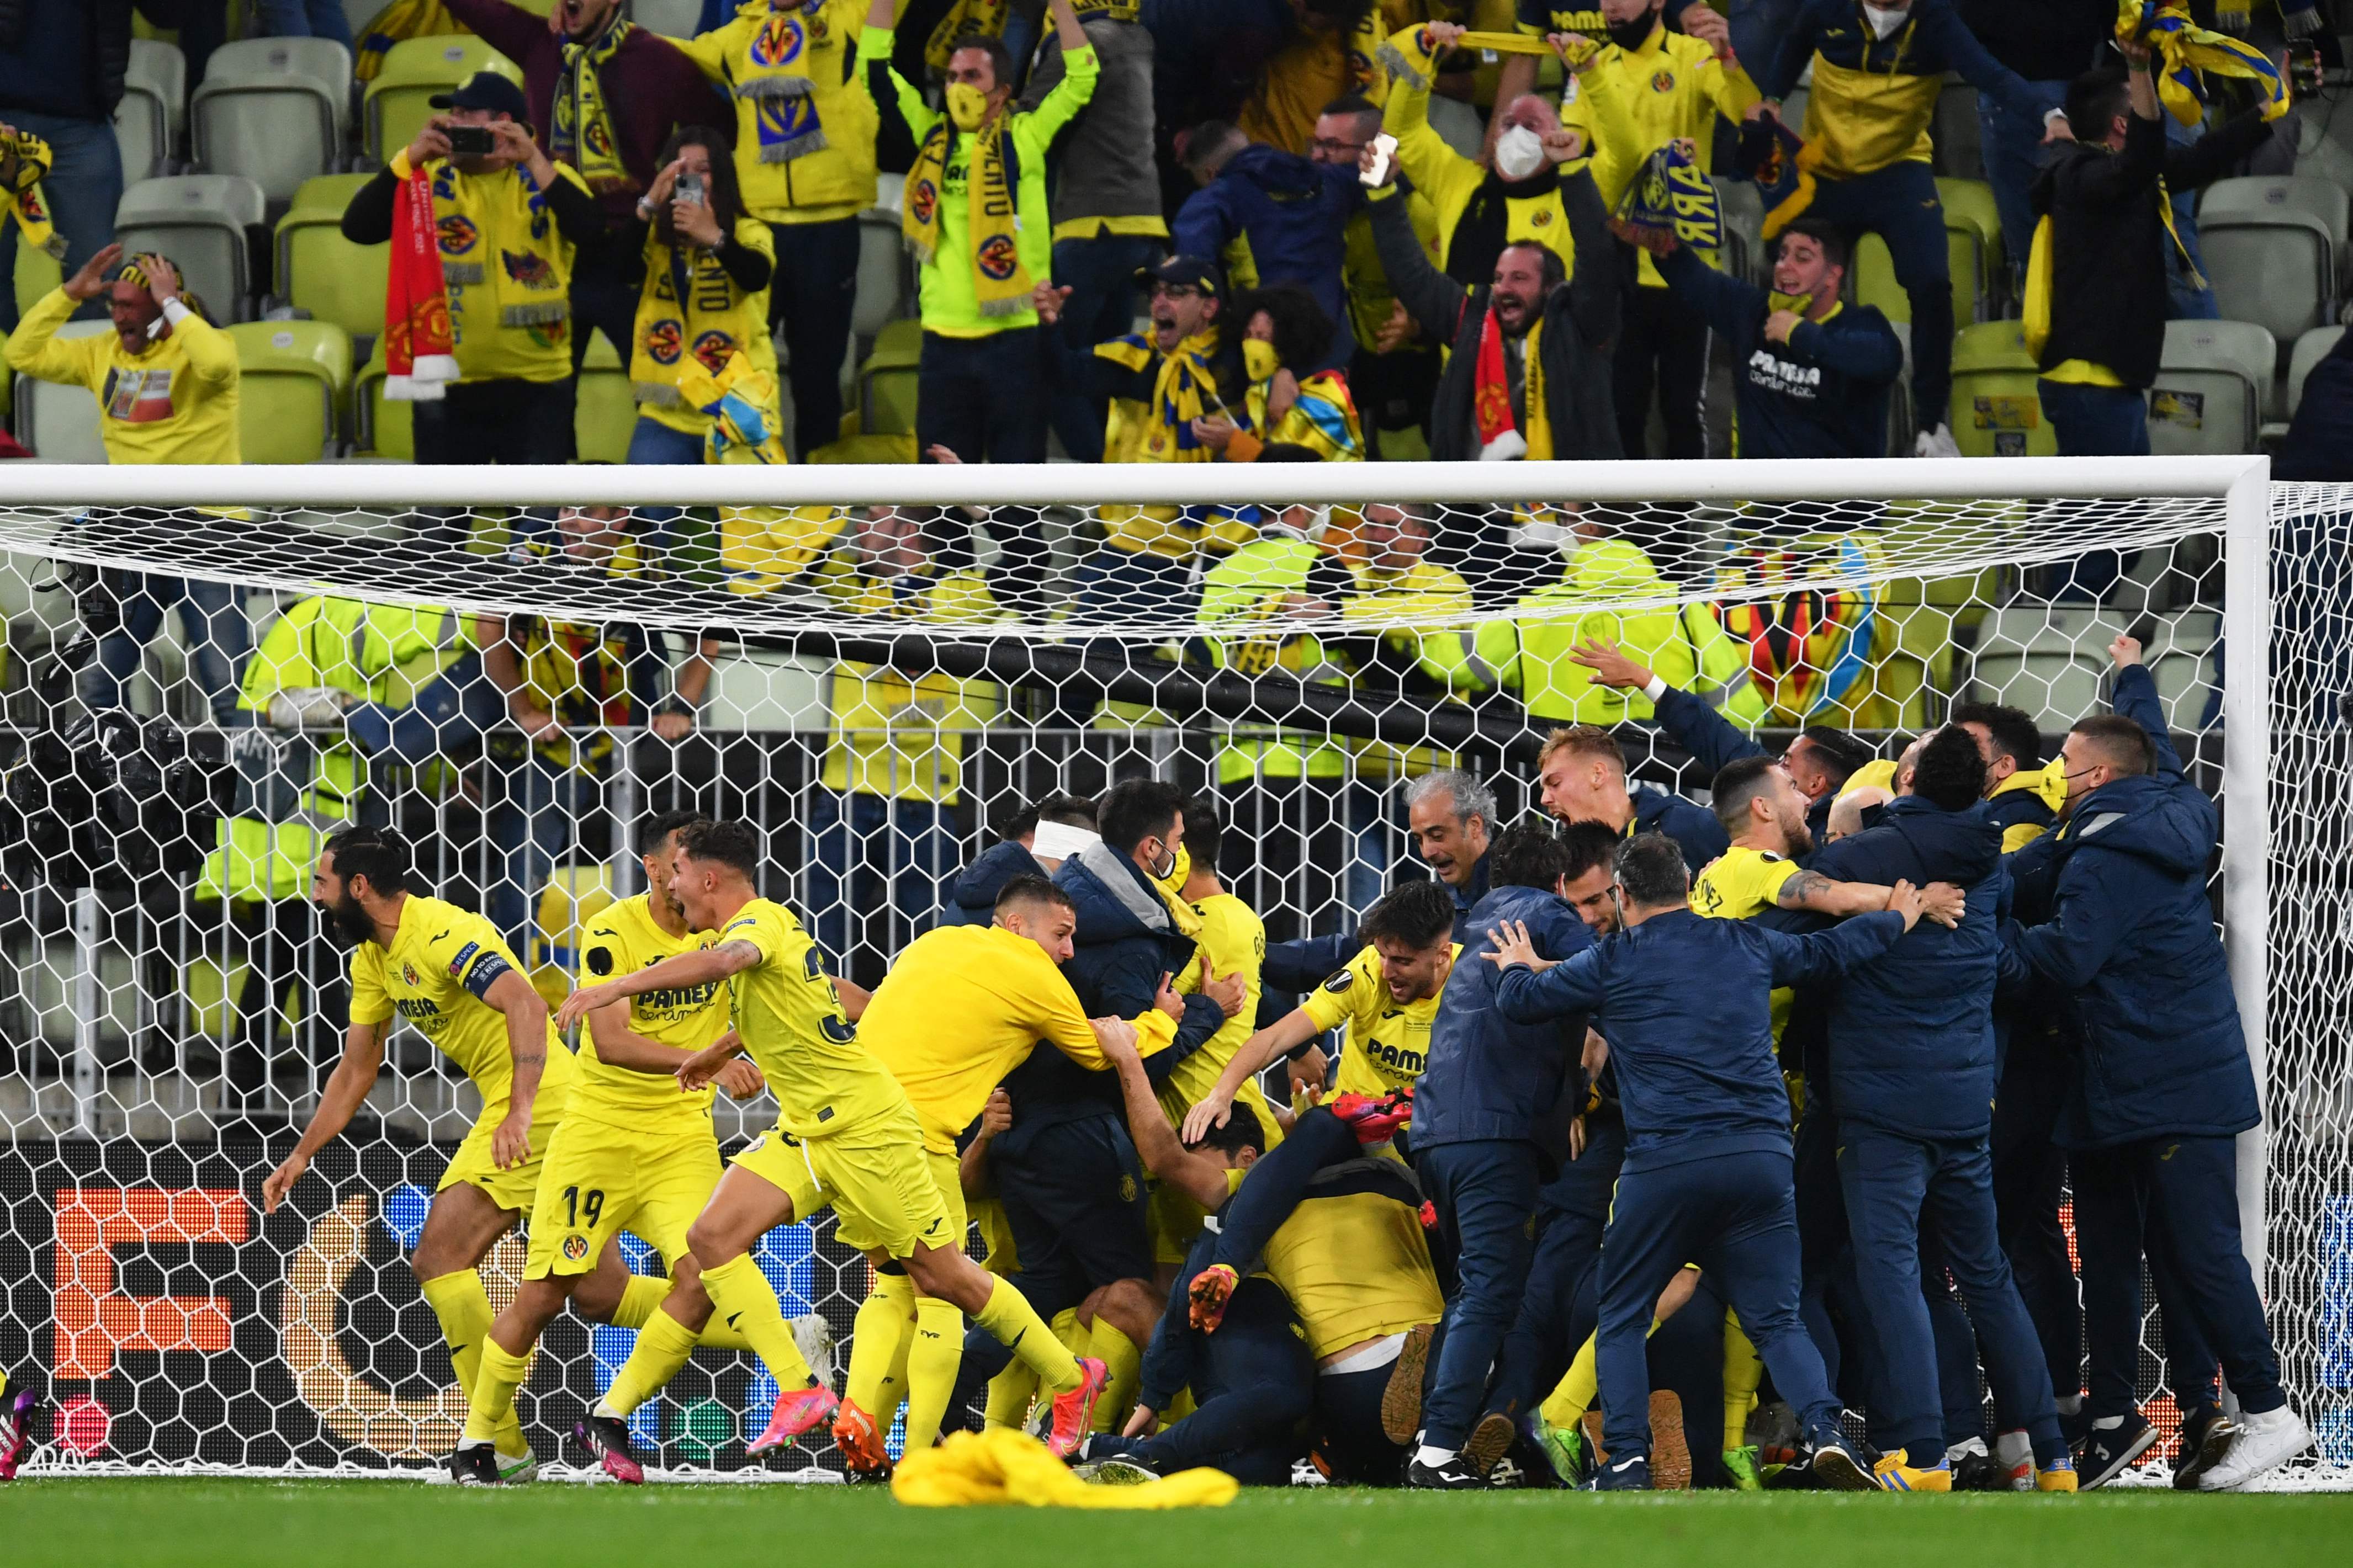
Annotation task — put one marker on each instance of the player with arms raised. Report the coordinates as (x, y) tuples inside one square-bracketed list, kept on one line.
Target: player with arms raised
[(846, 1135), (447, 971)]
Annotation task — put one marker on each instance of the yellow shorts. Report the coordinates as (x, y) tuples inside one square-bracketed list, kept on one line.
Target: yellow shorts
[(601, 1178), (473, 1164), (885, 1190), (996, 1238)]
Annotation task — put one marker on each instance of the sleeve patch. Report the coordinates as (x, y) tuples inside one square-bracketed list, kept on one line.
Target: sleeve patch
[(1768, 856), (600, 961), (1339, 982), (485, 973), (465, 955)]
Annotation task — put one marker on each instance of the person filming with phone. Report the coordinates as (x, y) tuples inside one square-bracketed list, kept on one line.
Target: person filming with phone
[(506, 222)]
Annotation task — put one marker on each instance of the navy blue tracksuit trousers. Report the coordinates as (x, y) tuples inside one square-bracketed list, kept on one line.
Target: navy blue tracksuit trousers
[(1486, 1194), (1572, 1211), (1895, 1186), (1900, 205), (1253, 1383), (1736, 1217), (2177, 1196)]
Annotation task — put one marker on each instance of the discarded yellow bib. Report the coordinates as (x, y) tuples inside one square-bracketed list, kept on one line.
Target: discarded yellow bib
[(1003, 1466)]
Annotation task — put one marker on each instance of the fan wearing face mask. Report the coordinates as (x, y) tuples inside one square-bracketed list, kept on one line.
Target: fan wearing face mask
[(1480, 209), (1640, 90), (976, 215), (1878, 71)]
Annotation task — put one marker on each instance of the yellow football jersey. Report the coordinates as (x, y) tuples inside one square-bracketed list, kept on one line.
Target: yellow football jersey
[(1232, 938), (962, 1006), (1739, 883), (790, 1019), (441, 961), (1387, 1044), (1352, 1258), (621, 941)]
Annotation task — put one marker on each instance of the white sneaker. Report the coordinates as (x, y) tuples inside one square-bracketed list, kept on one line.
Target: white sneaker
[(2014, 1452), (1937, 443), (2265, 1443)]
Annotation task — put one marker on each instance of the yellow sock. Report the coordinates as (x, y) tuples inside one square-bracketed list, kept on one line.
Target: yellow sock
[(458, 1300), (490, 1408), (640, 1300), (1017, 1325), (1068, 1330), (1742, 1370), (935, 1355), (1573, 1395), (663, 1347), (876, 1379), (1117, 1352), (719, 1336), (1010, 1392), (740, 1299)]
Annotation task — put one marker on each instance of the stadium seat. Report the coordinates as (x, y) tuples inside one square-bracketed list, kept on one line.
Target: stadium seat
[(321, 271), (414, 70), (200, 221), (2048, 659), (2180, 656), (883, 271), (379, 428), (2213, 386), (1458, 125), (7, 384), (1744, 227), (886, 381), (674, 19), (1996, 407), (60, 423), (1973, 248), (291, 379), (2272, 247), (154, 97), (37, 273), (604, 409), (2310, 349), (272, 110), (1956, 130)]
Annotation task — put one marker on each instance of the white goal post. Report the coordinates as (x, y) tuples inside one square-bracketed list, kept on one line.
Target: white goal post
[(1925, 582)]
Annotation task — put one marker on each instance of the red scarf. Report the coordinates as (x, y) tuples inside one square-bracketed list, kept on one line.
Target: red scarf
[(1490, 397), (417, 359)]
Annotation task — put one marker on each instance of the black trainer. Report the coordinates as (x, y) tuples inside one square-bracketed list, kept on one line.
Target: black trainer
[(2205, 1440), (1978, 1471), (475, 1466), (1454, 1475), (608, 1441), (2109, 1451), (1631, 1475)]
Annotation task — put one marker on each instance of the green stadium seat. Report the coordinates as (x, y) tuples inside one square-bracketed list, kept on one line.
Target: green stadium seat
[(380, 428), (292, 377), (604, 409), (1973, 249), (886, 381), (1997, 409), (321, 271), (414, 70)]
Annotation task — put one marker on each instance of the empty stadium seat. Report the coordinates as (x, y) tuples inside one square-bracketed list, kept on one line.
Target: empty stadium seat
[(604, 409), (60, 423), (1956, 130), (291, 379), (1744, 226), (200, 222), (321, 271), (883, 280), (272, 110), (37, 273), (2213, 384), (1973, 248), (2272, 247), (1996, 407), (154, 98), (1458, 125), (2310, 349), (380, 428), (2048, 659), (886, 381), (674, 18), (415, 70)]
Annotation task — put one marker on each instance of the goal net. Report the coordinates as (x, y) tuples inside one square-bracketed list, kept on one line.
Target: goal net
[(206, 670)]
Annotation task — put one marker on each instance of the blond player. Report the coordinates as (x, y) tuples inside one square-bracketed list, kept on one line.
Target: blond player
[(845, 1136), (447, 971)]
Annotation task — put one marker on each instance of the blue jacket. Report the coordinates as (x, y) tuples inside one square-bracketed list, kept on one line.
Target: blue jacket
[(1488, 1077), (972, 896), (1694, 827), (1699, 727), (1304, 962), (2131, 940), (1911, 1033), (1295, 213), (1932, 41), (1823, 393), (1125, 942), (1685, 1003)]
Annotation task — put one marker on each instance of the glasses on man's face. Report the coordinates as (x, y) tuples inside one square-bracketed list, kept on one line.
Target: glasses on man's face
[(1334, 148), (1175, 291)]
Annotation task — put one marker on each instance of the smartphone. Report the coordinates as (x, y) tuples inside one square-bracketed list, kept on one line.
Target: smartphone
[(690, 189), (471, 140), (2306, 72)]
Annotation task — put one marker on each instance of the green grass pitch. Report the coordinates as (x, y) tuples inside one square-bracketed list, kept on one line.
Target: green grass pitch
[(189, 1522)]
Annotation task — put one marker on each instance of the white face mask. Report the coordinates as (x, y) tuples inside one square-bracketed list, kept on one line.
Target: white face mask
[(1519, 152), (1884, 22)]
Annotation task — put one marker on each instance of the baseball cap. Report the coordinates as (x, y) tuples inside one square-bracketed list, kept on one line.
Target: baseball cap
[(486, 89), (1200, 274)]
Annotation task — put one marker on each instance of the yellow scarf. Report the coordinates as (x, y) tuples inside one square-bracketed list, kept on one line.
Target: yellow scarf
[(1407, 56), (741, 399), (690, 313), (1001, 285), (503, 219), (582, 135), (774, 71), (1183, 389), (27, 159), (2185, 50)]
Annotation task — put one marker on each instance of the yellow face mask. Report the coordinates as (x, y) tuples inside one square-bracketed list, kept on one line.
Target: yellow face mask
[(1258, 359), (1174, 881), (967, 105), (1797, 304)]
